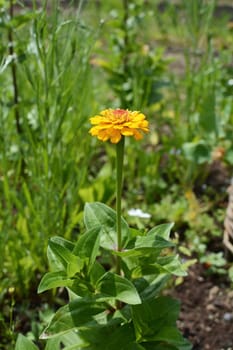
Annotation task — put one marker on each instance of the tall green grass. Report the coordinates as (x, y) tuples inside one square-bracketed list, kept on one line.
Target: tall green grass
[(43, 163)]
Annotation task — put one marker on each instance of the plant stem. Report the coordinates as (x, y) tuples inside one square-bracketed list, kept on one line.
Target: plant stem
[(125, 49), (15, 84), (119, 180), (13, 71), (126, 36)]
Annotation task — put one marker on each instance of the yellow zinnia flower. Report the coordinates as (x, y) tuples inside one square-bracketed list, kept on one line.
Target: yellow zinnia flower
[(114, 123)]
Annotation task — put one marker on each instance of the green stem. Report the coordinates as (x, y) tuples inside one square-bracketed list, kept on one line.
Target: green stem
[(15, 84), (14, 71), (126, 34), (119, 180), (125, 50)]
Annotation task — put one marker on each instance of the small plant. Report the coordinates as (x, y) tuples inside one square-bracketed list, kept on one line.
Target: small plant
[(113, 274)]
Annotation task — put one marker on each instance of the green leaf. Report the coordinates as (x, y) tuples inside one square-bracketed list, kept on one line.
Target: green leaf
[(123, 339), (82, 287), (96, 272), (163, 265), (162, 230), (55, 262), (151, 316), (172, 265), (146, 245), (146, 270), (100, 215), (131, 253), (53, 280), (114, 337), (22, 343), (150, 286), (171, 335), (155, 321), (152, 241), (87, 246), (70, 262), (53, 344), (70, 340), (197, 152), (76, 314), (118, 287), (157, 346)]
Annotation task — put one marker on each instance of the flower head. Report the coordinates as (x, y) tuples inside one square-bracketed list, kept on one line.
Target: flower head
[(112, 124)]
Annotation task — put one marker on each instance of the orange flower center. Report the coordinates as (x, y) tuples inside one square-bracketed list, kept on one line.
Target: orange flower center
[(121, 115)]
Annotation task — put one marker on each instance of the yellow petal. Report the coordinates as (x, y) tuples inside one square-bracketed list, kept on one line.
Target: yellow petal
[(137, 135), (115, 136)]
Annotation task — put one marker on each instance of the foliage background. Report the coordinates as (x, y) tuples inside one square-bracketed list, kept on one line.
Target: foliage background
[(63, 62)]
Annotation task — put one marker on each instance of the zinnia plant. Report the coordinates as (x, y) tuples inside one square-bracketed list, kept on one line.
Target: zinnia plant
[(114, 275), (114, 125)]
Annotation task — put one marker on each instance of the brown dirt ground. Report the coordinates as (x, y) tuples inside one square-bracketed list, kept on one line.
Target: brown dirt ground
[(206, 316)]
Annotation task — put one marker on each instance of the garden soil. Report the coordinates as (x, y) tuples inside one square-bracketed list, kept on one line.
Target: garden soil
[(206, 316)]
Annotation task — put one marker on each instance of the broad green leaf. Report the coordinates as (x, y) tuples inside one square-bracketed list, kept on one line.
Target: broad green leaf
[(172, 265), (146, 270), (152, 241), (98, 214), (78, 313), (150, 286), (72, 341), (197, 152), (53, 280), (123, 338), (128, 253), (96, 272), (162, 265), (23, 343), (56, 263), (81, 287), (162, 230), (145, 245), (134, 346), (157, 346), (119, 337), (63, 242), (87, 246), (151, 316), (53, 344), (171, 335), (117, 287), (71, 263)]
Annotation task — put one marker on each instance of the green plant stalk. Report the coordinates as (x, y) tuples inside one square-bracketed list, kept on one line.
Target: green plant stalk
[(13, 71), (126, 36), (119, 181), (15, 84)]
